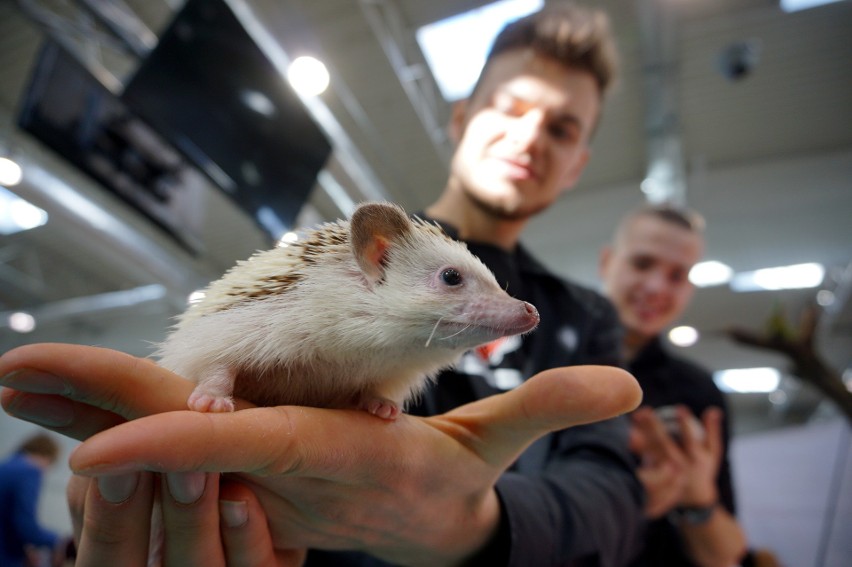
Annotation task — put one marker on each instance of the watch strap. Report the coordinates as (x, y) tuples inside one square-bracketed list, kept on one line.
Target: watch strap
[(693, 515)]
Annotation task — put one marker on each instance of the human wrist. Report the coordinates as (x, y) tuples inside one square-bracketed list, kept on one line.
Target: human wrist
[(699, 496), (693, 515), (495, 551), (473, 543)]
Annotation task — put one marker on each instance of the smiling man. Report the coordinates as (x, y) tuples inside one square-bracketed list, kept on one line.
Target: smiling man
[(685, 469)]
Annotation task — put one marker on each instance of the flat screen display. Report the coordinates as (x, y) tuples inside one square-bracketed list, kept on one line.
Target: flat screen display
[(215, 95), (70, 111)]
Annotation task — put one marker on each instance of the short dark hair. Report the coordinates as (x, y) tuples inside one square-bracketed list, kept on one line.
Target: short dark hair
[(681, 216), (677, 215), (576, 37), (40, 444)]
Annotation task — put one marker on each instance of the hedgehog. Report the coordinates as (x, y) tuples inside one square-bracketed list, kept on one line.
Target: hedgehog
[(356, 314)]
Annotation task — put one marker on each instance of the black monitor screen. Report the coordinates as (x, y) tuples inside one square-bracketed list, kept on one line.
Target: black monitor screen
[(211, 90), (69, 110)]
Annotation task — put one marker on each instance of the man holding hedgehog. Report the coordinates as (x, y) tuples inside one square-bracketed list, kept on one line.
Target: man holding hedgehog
[(523, 460)]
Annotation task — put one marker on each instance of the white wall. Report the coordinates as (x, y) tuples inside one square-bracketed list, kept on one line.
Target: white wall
[(794, 492)]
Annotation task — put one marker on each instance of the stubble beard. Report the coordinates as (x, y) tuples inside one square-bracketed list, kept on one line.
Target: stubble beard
[(502, 211)]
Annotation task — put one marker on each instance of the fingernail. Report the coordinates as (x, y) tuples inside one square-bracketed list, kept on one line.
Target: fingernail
[(42, 410), (188, 487), (234, 514), (118, 488), (36, 381)]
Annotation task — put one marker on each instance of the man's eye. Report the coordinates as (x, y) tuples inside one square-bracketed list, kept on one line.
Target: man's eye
[(451, 276), (562, 132)]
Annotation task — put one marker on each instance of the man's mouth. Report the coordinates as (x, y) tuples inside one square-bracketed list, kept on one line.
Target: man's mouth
[(516, 169)]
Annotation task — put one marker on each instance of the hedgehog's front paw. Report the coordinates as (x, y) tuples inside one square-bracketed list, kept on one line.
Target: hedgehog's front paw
[(209, 403), (382, 407)]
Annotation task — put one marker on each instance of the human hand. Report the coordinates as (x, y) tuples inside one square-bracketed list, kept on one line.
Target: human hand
[(225, 525), (413, 489), (677, 473)]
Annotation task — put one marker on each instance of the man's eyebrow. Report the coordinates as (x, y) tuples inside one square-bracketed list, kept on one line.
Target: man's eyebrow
[(561, 115)]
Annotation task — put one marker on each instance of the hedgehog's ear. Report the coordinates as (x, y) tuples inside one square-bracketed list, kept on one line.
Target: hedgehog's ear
[(374, 228)]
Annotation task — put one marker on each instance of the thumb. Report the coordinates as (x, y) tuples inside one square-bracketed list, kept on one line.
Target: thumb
[(502, 426)]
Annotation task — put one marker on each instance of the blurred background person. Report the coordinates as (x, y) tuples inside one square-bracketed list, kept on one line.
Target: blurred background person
[(23, 541), (681, 433)]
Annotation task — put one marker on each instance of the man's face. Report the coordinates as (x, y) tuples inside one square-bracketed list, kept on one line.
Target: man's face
[(523, 136), (645, 273)]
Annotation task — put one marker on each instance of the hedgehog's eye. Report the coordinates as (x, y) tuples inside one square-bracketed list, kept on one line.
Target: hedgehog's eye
[(451, 276)]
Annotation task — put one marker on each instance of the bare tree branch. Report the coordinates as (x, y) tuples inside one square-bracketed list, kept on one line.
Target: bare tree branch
[(800, 348)]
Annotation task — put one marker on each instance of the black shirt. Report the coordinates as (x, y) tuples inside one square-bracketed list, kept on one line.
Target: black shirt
[(667, 380)]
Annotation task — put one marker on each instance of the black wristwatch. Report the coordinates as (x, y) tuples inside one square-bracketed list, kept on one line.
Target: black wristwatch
[(693, 515)]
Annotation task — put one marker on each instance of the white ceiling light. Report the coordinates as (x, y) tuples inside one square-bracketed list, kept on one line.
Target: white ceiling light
[(10, 172), (797, 276), (308, 76), (709, 273), (748, 380), (684, 336), (196, 296), (22, 322), (455, 48)]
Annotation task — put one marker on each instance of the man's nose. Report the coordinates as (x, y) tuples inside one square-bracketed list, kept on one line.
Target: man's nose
[(656, 281), (528, 130)]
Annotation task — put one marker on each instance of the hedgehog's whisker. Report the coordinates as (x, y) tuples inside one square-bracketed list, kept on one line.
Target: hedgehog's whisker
[(432, 334), (460, 331)]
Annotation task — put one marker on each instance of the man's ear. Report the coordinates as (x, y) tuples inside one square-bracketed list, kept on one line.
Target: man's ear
[(603, 260), (457, 120)]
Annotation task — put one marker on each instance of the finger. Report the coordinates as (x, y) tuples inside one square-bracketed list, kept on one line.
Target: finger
[(76, 491), (190, 508), (245, 532), (72, 419), (659, 446), (504, 425), (116, 521), (110, 380), (693, 435), (639, 434), (712, 420), (308, 441)]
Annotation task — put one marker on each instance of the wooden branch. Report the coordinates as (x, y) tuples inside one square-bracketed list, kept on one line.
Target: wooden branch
[(799, 347)]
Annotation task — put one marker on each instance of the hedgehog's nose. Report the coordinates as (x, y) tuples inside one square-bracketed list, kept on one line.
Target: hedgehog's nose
[(532, 311)]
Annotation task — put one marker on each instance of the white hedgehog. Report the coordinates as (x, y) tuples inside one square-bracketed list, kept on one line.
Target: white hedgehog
[(359, 314)]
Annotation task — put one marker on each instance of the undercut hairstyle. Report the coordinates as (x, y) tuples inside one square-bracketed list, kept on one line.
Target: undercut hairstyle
[(682, 217), (574, 36)]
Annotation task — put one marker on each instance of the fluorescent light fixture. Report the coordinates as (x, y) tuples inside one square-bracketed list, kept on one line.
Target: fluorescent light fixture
[(748, 380), (797, 5), (797, 276), (17, 215), (709, 273), (684, 336), (455, 48)]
